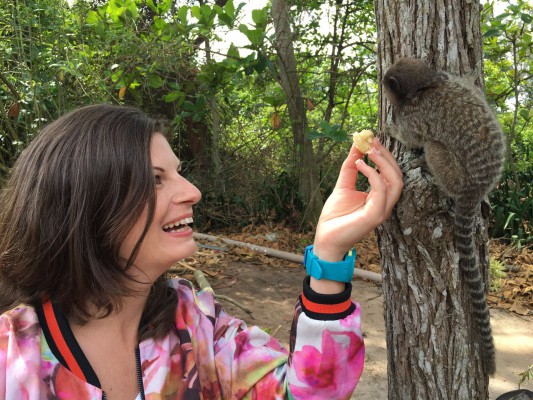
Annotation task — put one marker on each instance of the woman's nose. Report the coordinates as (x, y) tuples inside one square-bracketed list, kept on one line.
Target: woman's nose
[(186, 192)]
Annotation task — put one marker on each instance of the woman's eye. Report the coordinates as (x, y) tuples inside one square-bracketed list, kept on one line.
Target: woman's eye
[(157, 179)]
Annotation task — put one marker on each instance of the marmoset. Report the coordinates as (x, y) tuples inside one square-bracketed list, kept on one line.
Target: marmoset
[(464, 148)]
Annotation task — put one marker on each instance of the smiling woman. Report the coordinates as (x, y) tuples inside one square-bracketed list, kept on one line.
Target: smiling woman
[(94, 214), (169, 237)]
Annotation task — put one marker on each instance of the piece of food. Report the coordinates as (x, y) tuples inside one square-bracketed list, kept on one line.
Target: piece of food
[(363, 140)]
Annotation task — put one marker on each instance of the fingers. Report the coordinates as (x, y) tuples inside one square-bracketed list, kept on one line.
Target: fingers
[(389, 175), (377, 199), (348, 172), (388, 156), (387, 184), (390, 172)]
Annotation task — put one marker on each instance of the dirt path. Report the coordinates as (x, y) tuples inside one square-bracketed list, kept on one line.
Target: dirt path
[(267, 290)]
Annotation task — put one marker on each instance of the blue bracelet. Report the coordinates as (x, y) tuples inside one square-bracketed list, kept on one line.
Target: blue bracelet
[(340, 271)]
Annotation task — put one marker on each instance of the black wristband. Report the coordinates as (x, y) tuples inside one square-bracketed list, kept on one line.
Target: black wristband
[(332, 306)]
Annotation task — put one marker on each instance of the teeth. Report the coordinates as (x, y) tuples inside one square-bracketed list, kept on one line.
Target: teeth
[(184, 221)]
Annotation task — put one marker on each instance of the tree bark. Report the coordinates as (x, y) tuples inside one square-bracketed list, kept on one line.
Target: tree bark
[(215, 134), (306, 165), (432, 346)]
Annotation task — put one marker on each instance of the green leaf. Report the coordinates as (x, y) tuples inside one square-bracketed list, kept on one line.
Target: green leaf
[(260, 17), (93, 18), (526, 18), (154, 81), (525, 114), (189, 106), (492, 32), (509, 217), (164, 6), (225, 20), (261, 63), (196, 12), (207, 16), (173, 96), (233, 52), (255, 36), (501, 16), (230, 9), (200, 102), (313, 134), (159, 23), (326, 127), (118, 73), (182, 14), (151, 5)]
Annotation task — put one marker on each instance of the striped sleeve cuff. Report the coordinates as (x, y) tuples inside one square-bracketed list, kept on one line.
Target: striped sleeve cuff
[(326, 307)]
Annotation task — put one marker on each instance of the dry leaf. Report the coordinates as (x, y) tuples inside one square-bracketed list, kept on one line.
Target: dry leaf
[(14, 110), (275, 120), (310, 104), (122, 92), (518, 308)]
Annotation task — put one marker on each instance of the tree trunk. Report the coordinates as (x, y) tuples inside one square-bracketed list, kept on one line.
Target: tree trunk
[(432, 346), (215, 135), (306, 165)]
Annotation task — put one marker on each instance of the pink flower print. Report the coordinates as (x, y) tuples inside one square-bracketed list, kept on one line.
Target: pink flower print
[(318, 372), (66, 386)]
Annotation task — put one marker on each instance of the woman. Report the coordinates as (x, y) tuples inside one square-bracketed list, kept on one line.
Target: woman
[(92, 217)]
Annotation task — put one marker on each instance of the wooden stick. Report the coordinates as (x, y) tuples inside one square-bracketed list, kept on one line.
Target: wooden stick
[(205, 285), (371, 276)]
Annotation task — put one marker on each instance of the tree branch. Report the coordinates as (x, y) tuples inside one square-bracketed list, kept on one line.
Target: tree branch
[(11, 88)]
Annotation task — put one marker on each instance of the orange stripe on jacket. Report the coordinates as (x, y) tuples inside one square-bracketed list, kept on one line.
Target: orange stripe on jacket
[(60, 341), (326, 308)]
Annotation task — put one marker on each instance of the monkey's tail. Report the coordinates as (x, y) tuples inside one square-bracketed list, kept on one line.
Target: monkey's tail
[(464, 224)]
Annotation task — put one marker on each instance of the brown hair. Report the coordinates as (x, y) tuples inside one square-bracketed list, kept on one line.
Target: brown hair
[(72, 197)]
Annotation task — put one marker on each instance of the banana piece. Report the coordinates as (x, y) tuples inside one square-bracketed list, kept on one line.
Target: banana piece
[(363, 140)]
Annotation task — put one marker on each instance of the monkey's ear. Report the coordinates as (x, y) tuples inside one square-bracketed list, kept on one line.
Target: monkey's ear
[(394, 85)]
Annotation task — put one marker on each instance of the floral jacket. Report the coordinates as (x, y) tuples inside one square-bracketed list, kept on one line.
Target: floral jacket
[(212, 356)]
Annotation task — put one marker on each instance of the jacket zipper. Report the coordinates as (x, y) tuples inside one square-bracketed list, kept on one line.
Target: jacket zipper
[(139, 375), (139, 372)]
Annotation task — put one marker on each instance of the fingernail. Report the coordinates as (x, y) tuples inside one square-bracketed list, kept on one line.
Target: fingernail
[(376, 151)]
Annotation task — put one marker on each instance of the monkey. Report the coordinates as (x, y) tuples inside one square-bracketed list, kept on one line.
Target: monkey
[(464, 149)]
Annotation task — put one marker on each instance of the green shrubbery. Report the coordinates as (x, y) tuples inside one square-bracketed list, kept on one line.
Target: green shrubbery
[(512, 209)]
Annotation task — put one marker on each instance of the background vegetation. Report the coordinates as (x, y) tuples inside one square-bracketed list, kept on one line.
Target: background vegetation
[(225, 103)]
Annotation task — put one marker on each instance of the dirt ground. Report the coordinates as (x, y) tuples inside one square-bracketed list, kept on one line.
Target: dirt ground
[(269, 288), (271, 296)]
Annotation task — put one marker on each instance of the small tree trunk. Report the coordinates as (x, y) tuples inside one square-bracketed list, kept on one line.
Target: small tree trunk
[(432, 346), (306, 165), (215, 134)]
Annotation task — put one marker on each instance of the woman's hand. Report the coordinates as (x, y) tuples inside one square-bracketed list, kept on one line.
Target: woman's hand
[(348, 214)]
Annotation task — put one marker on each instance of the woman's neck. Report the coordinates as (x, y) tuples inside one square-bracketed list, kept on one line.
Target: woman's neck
[(121, 326)]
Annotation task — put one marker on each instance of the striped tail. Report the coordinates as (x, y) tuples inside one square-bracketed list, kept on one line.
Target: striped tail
[(464, 222)]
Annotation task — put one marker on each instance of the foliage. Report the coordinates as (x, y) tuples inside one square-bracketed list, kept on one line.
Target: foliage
[(497, 272), (527, 374), (170, 58), (512, 208), (509, 87)]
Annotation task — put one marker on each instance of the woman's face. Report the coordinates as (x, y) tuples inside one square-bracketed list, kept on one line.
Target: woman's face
[(169, 237)]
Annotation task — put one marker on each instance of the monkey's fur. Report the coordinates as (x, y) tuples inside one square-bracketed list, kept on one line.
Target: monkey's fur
[(464, 148)]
